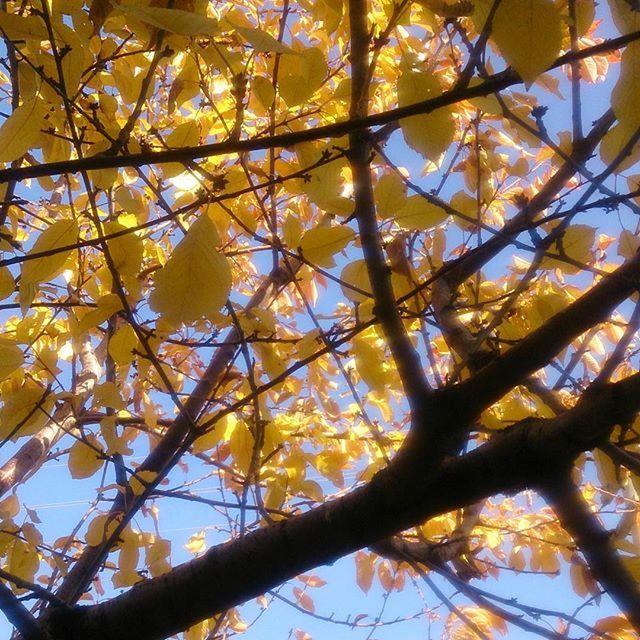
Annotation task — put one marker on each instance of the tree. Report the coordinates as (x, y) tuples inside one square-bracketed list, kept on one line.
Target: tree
[(219, 260)]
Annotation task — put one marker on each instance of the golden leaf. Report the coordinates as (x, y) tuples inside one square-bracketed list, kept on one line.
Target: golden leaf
[(85, 457), (196, 280), (20, 131), (528, 34)]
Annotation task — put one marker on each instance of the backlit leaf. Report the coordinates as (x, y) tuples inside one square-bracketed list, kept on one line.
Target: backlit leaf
[(260, 40), (625, 98), (241, 444), (304, 599), (100, 529), (528, 34), (20, 131), (420, 214), (575, 243), (370, 363), (197, 543), (23, 27), (364, 570), (320, 244), (126, 250), (356, 275), (429, 134), (185, 23), (7, 283), (84, 457), (301, 75), (628, 244), (11, 358), (63, 233), (625, 16), (122, 345), (196, 280), (25, 409), (24, 561), (390, 194)]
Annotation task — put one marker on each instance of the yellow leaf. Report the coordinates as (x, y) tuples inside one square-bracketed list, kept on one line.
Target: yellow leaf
[(21, 129), (125, 578), (304, 599), (625, 16), (209, 439), (449, 8), (100, 529), (7, 283), (548, 304), (159, 550), (128, 560), (625, 98), (75, 60), (11, 358), (25, 409), (126, 251), (196, 632), (85, 457), (292, 230), (196, 280), (356, 275), (272, 362), (364, 570), (390, 194), (23, 27), (24, 561), (528, 34), (107, 306), (320, 244), (184, 23), (613, 143), (241, 444), (122, 345), (628, 244), (156, 557), (369, 363), (196, 543), (429, 134), (301, 75), (115, 443), (575, 243), (10, 507), (186, 134), (418, 213), (60, 234), (263, 89), (260, 40), (108, 395), (585, 14), (141, 480), (186, 85)]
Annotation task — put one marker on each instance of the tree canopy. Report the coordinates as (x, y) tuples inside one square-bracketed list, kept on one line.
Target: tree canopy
[(367, 269)]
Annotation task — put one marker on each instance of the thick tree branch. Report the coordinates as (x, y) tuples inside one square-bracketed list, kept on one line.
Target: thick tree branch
[(517, 458), (20, 617), (404, 355)]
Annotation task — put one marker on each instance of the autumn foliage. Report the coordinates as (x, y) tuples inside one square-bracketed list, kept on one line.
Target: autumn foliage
[(345, 276)]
